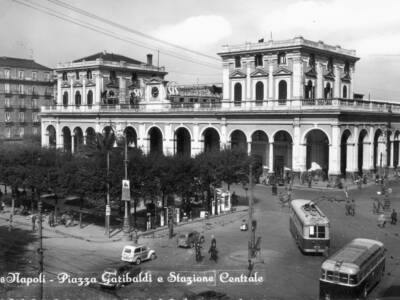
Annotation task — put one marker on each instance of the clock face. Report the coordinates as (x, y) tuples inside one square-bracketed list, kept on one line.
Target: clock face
[(154, 92)]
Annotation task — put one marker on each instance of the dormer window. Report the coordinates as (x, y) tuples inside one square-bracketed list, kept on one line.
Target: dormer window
[(89, 74), (281, 58), (311, 61), (238, 63), (330, 64), (258, 62), (65, 76)]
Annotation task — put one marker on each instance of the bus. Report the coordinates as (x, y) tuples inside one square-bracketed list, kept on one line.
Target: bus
[(352, 271), (309, 226)]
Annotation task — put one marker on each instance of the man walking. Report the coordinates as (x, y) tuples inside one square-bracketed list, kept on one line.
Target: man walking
[(33, 222), (393, 217)]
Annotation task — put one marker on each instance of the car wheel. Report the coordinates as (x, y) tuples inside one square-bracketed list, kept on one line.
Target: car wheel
[(153, 256), (138, 261)]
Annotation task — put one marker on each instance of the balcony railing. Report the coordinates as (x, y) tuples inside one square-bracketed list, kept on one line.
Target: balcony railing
[(298, 105)]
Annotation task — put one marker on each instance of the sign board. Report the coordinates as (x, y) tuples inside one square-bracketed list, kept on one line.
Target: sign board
[(126, 191), (108, 210)]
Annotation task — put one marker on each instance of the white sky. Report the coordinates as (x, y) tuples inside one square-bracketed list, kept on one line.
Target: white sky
[(372, 28)]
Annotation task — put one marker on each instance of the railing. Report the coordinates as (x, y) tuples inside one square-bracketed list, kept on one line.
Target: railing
[(288, 105)]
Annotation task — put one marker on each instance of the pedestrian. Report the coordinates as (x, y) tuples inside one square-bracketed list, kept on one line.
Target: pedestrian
[(353, 207), (250, 268), (375, 206), (393, 217), (347, 207), (381, 221), (2, 206), (51, 219), (33, 222)]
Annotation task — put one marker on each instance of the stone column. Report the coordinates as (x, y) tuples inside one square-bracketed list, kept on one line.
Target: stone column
[(72, 142), (226, 81), (195, 143), (271, 81), (223, 134), (296, 155), (142, 138), (59, 136), (84, 138), (355, 151), (350, 162), (249, 148), (334, 152), (71, 91), (97, 94), (391, 164), (59, 93), (367, 163), (371, 149), (168, 145), (320, 82), (297, 80), (248, 80), (84, 96), (122, 90), (351, 92), (44, 135), (336, 88), (271, 157)]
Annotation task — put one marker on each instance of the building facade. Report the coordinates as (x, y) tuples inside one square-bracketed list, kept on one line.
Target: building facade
[(289, 102), (25, 86)]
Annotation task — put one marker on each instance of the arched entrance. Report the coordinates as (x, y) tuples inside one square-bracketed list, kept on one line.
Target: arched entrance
[(345, 158), (131, 136), (363, 151), (282, 153), (260, 146), (155, 141), (211, 140), (52, 139), (379, 150), (78, 139), (182, 143), (66, 139), (90, 137), (238, 141), (317, 151)]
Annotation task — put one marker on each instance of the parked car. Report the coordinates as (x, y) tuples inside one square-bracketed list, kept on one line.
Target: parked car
[(112, 277), (137, 254), (189, 238)]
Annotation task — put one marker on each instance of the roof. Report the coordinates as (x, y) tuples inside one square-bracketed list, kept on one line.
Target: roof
[(353, 255), (14, 62), (109, 57), (308, 212)]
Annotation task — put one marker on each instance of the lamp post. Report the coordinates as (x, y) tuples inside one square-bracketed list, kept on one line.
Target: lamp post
[(126, 227), (108, 208)]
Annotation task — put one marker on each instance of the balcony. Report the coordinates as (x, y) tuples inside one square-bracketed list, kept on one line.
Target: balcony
[(250, 107)]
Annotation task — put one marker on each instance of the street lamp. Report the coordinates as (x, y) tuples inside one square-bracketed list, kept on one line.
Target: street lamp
[(126, 227)]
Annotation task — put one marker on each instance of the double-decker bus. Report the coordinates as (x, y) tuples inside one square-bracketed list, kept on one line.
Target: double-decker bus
[(352, 271), (309, 226)]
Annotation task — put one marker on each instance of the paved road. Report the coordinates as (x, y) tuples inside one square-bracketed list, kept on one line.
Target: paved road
[(287, 273)]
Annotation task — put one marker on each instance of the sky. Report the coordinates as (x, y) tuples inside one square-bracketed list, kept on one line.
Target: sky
[(372, 28)]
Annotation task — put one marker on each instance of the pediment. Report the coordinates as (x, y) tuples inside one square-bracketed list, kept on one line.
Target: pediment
[(90, 83), (259, 73), (346, 78), (237, 74), (311, 73), (329, 75), (78, 84), (282, 72), (153, 80), (65, 85)]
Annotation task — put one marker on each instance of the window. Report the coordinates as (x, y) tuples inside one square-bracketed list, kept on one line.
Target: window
[(311, 61), (237, 93), (282, 89), (328, 91), (35, 130), (35, 117), (78, 99), (8, 132), (7, 102), (65, 99), (259, 91), (89, 74), (309, 90), (258, 62), (34, 76), (34, 103), (181, 99), (21, 88), (7, 116), (77, 75), (330, 65), (7, 73), (21, 131), (321, 232), (7, 87), (46, 76), (343, 277), (21, 116), (113, 75), (313, 232), (21, 74), (237, 62), (90, 98), (282, 58), (344, 92), (65, 76)]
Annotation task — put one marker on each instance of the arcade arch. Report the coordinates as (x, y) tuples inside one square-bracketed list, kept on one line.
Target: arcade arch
[(345, 158), (67, 140), (182, 142), (51, 134), (317, 157), (211, 140), (155, 139), (282, 153), (260, 146), (238, 140)]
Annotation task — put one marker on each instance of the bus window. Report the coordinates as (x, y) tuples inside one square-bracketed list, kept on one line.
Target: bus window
[(312, 232), (343, 277), (321, 232)]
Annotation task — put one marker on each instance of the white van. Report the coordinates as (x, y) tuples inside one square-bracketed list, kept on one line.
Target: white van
[(137, 254)]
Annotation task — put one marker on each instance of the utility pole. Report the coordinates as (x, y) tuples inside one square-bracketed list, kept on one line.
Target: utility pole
[(126, 225), (40, 250), (108, 209), (251, 223)]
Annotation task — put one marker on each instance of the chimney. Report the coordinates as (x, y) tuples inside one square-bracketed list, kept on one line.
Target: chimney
[(150, 59)]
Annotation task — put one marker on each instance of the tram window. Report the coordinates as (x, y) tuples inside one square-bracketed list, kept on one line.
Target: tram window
[(321, 231), (313, 232), (353, 279), (343, 277)]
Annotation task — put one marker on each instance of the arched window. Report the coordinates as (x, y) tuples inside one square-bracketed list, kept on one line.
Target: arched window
[(65, 99), (328, 91), (78, 99), (89, 74), (344, 92), (90, 98), (237, 94), (309, 90), (64, 76), (282, 88), (258, 61), (282, 58), (259, 92)]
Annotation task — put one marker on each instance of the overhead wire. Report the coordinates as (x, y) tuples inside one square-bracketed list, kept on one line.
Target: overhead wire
[(101, 30)]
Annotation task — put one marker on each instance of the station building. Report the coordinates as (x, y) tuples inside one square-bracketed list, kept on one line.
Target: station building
[(290, 102)]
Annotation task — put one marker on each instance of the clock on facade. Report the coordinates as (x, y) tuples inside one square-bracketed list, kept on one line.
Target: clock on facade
[(154, 92)]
